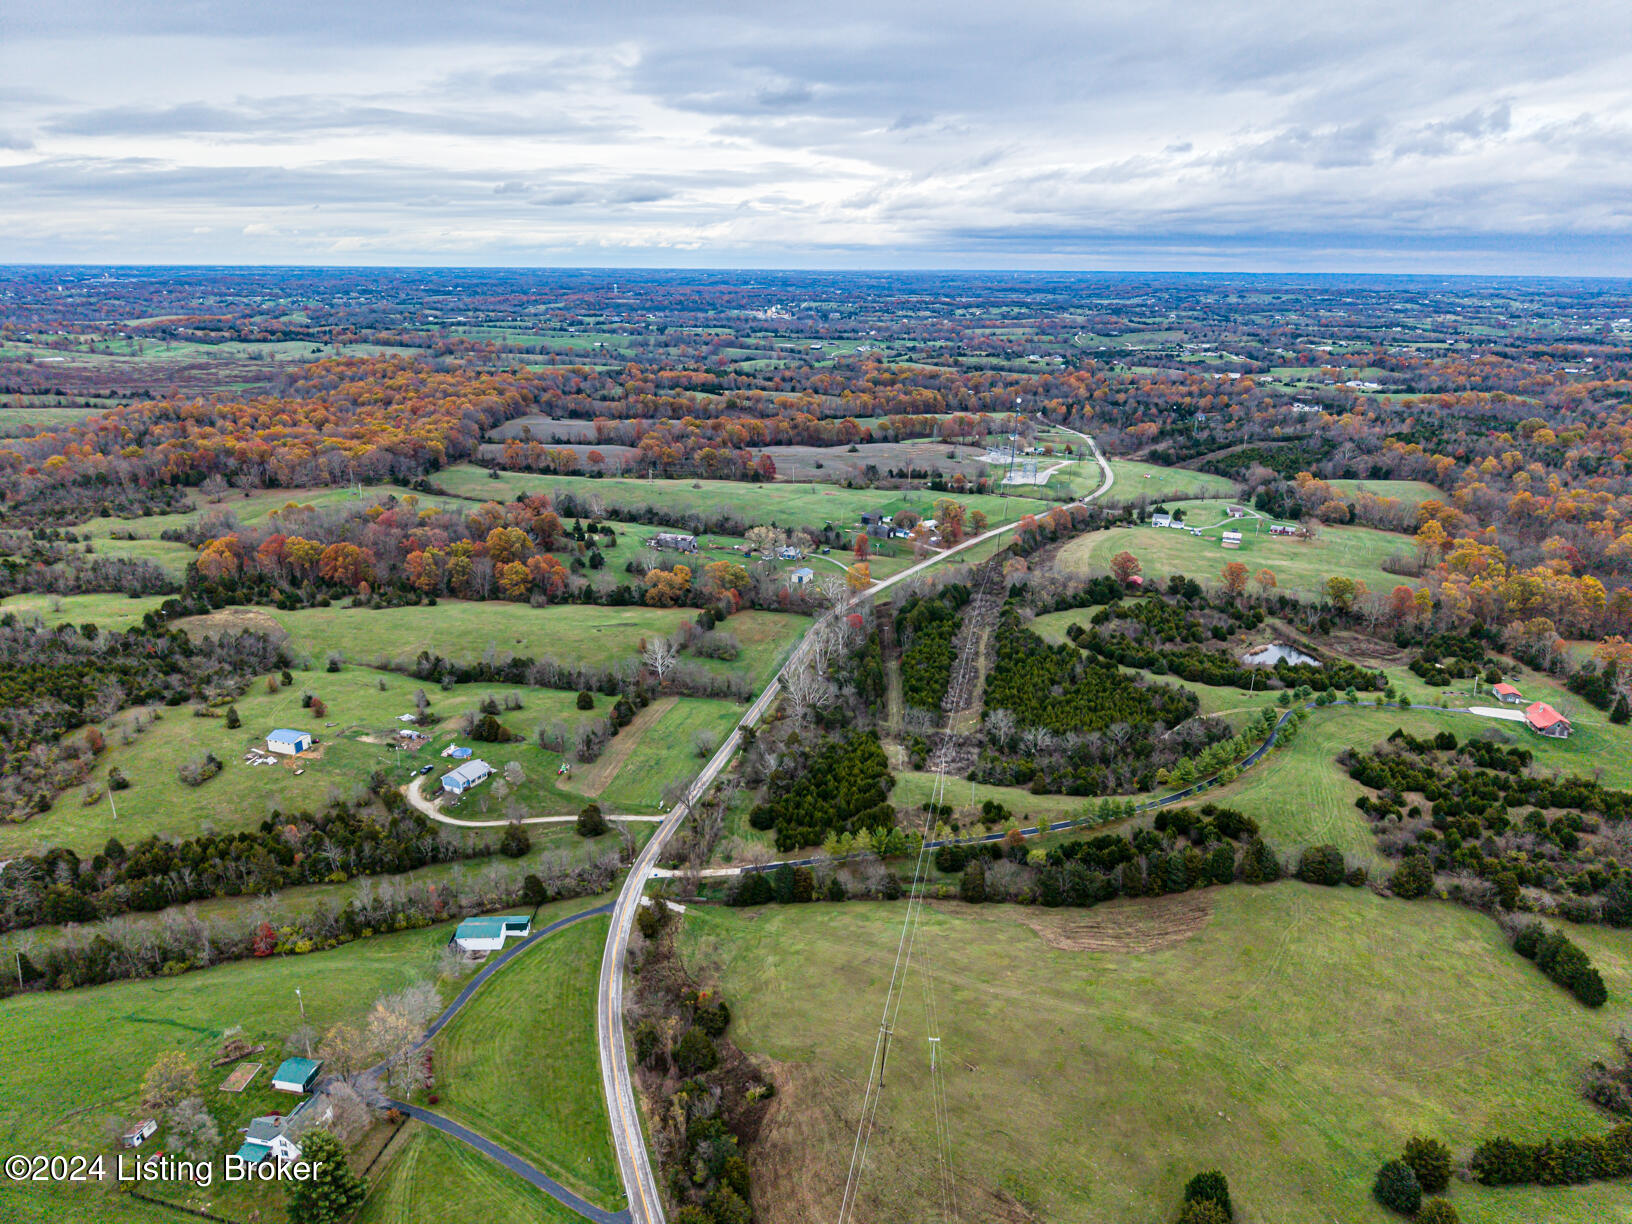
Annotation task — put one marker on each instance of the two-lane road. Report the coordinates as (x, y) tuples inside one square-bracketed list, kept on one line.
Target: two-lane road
[(645, 1201)]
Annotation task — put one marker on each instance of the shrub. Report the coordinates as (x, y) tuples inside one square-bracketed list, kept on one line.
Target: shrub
[(1437, 1211), (1563, 961), (1430, 1160), (972, 887), (1210, 1187), (695, 1053), (586, 700), (117, 780), (199, 769), (1202, 1211), (515, 841), (590, 821), (1321, 865), (1413, 878), (233, 721), (1396, 1188)]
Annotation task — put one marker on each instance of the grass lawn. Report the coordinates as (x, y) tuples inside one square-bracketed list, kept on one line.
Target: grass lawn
[(243, 795), (253, 507), (520, 1065), (782, 504), (1291, 1036), (47, 1204), (467, 631), (102, 1039), (1300, 566), (1412, 492), (647, 760), (111, 612), (1154, 483), (431, 1176)]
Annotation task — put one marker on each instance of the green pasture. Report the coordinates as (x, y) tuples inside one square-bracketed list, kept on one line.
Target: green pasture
[(520, 1065), (782, 504), (1300, 566), (1412, 492), (1151, 482), (431, 1177), (111, 612), (1291, 1036)]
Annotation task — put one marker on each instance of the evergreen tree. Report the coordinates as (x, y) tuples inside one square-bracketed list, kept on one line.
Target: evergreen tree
[(1622, 711), (1430, 1160), (233, 721), (972, 887), (1210, 1187), (1396, 1188), (333, 1193)]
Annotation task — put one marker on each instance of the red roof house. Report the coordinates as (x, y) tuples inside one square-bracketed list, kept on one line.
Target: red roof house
[(1546, 721), (1507, 693)]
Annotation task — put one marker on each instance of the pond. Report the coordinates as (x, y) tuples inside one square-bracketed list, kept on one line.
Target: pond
[(1276, 652)]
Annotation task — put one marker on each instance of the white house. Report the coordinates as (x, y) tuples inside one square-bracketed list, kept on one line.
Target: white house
[(489, 934), (802, 575), (466, 776), (1161, 519), (274, 1134), (288, 742)]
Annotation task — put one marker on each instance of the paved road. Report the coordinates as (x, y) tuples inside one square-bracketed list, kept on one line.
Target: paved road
[(482, 1144), (430, 809), (515, 1164), (634, 1162)]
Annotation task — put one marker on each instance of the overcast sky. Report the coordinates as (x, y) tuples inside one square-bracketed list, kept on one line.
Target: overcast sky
[(1439, 134)]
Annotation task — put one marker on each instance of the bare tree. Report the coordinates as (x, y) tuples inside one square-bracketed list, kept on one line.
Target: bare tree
[(807, 691), (660, 655)]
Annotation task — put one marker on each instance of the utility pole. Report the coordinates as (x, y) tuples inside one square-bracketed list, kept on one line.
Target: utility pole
[(306, 1031)]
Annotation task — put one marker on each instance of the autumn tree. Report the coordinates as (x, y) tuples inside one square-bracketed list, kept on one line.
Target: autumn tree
[(863, 546), (859, 576), (1235, 578), (1124, 565), (168, 1080), (1265, 580)]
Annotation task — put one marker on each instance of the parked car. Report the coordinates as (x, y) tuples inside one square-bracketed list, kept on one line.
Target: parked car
[(425, 769)]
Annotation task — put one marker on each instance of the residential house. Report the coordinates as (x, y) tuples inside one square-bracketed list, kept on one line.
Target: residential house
[(288, 742), (469, 774), (1544, 720), (273, 1135), (674, 541), (1161, 519), (1508, 694), (296, 1074), (802, 575), (1236, 511), (489, 934)]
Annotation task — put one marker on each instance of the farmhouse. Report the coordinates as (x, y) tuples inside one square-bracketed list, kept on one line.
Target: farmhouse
[(1282, 529), (1161, 519), (1508, 694), (1544, 720), (489, 934), (802, 575), (140, 1133), (1232, 539), (674, 541), (288, 742), (296, 1074), (469, 774), (1236, 511), (269, 1135)]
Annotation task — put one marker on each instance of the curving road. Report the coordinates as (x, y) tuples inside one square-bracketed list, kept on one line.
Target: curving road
[(426, 806), (634, 1162)]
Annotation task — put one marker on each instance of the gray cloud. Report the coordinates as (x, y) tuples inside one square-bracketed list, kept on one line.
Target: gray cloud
[(1048, 132)]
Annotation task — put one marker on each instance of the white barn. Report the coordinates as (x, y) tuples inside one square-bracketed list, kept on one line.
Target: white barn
[(288, 742)]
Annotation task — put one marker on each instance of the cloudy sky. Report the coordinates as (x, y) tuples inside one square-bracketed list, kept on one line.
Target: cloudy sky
[(1438, 134)]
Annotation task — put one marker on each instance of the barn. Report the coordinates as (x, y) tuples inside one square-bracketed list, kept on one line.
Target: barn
[(288, 742)]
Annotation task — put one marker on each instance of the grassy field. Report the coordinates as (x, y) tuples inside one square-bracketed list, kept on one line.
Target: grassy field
[(519, 1063), (782, 504), (1412, 492), (433, 1177), (102, 1039), (646, 761), (468, 632), (111, 612), (1147, 480), (1292, 1036), (1300, 566), (243, 795)]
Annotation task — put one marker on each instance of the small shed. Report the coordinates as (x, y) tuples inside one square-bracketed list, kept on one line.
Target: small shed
[(469, 774), (287, 741), (802, 575), (1507, 694), (1544, 720), (489, 934), (297, 1074), (140, 1133)]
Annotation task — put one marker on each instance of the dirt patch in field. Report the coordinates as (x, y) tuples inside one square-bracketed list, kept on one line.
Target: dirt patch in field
[(1134, 925), (594, 778), (232, 620), (1367, 651)]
